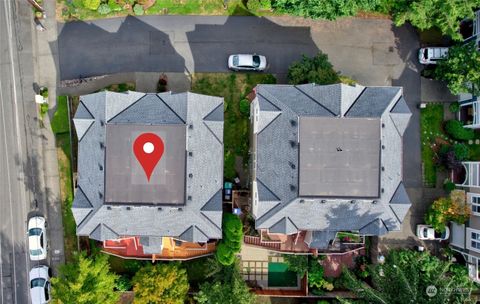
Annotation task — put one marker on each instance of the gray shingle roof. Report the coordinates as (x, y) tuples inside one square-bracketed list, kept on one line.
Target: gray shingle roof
[(321, 239), (82, 112), (285, 225), (279, 206), (158, 112), (203, 190), (375, 227), (373, 101)]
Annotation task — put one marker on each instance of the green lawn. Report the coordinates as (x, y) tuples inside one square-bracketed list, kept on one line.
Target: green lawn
[(233, 87), (431, 119), (74, 9), (60, 126)]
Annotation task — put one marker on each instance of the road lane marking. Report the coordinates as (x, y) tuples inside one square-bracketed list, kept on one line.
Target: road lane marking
[(9, 23), (9, 198)]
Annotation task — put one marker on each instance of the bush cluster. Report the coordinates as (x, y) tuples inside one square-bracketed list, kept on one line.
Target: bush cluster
[(455, 129), (232, 239)]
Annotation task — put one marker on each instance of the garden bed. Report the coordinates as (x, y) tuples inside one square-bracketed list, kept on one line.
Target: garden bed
[(439, 139), (233, 87), (69, 10), (431, 119), (61, 128)]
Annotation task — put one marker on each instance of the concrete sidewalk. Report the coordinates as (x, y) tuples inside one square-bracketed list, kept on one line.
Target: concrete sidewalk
[(45, 57)]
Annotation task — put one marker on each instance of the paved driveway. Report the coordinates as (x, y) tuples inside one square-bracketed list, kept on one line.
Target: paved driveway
[(371, 51)]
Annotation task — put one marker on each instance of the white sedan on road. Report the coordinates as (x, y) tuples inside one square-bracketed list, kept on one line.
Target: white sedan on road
[(37, 238), (247, 62), (40, 284), (426, 232)]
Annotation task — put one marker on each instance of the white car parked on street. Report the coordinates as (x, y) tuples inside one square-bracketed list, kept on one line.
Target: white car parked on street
[(37, 238), (426, 232), (247, 62), (431, 55), (40, 284)]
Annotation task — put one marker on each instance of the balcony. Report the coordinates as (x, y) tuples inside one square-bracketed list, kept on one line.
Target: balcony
[(130, 248), (296, 243)]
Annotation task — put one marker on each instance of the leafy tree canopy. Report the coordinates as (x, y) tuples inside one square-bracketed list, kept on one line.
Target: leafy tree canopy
[(232, 239), (297, 263), (326, 9), (160, 283), (442, 14), (87, 280), (446, 209), (405, 276), (461, 69), (313, 70), (423, 14), (227, 287)]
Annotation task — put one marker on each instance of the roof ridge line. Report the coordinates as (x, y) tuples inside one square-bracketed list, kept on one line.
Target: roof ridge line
[(259, 180), (268, 100), (81, 102), (313, 99), (119, 113), (86, 131), (202, 213), (214, 109), (266, 126), (176, 114), (355, 101), (204, 122)]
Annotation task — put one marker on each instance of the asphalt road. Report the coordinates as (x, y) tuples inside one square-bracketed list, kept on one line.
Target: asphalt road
[(175, 44), (18, 127)]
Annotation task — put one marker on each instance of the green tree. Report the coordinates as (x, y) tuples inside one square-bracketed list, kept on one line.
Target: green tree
[(405, 276), (313, 70), (296, 263), (160, 283), (446, 209), (232, 239), (227, 287), (87, 280), (461, 69), (224, 254), (442, 14), (316, 280)]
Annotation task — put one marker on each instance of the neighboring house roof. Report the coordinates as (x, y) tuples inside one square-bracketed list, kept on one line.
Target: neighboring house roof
[(188, 200), (364, 125)]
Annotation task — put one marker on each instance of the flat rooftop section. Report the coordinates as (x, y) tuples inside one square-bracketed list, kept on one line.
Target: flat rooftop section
[(339, 157), (125, 179)]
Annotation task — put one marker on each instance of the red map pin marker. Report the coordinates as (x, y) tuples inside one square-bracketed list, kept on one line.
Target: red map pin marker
[(148, 149)]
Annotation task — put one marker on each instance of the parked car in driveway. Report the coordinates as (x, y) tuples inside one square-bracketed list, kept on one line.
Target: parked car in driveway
[(426, 232), (431, 55), (37, 238), (40, 284), (247, 62)]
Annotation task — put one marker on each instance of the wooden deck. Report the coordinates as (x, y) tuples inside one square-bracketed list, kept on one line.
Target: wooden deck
[(131, 248), (280, 242)]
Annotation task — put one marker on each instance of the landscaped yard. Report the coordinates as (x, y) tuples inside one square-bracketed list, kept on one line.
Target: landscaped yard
[(233, 87), (431, 119), (60, 127), (78, 9)]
